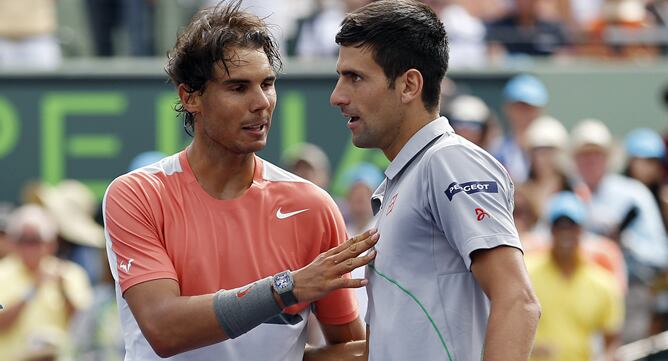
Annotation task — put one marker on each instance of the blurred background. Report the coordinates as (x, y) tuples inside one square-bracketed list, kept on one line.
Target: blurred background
[(569, 95)]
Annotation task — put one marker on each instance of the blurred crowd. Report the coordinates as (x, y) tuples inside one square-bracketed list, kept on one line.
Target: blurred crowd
[(592, 214), (36, 33), (591, 211)]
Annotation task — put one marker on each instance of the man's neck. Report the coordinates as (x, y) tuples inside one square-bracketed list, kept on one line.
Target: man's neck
[(220, 173), (412, 123)]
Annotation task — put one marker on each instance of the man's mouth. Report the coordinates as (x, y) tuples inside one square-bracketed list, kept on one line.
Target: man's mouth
[(255, 127)]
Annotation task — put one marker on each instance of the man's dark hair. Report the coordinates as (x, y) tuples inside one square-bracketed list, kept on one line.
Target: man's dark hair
[(206, 43), (402, 35)]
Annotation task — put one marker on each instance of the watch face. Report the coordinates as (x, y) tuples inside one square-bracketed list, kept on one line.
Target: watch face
[(282, 282)]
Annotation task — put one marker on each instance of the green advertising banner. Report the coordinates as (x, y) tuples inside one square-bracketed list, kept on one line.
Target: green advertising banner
[(89, 128), (90, 119)]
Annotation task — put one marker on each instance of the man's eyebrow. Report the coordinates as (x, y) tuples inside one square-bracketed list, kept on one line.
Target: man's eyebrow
[(236, 81), (246, 81), (348, 72)]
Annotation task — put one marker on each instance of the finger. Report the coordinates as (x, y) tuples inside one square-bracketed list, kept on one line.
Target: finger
[(352, 263), (344, 282), (356, 239), (355, 249)]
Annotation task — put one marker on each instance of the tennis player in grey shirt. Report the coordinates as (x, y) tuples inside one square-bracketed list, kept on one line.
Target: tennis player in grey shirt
[(448, 281)]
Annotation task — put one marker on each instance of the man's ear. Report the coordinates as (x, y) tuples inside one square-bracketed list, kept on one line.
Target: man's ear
[(189, 100), (412, 83)]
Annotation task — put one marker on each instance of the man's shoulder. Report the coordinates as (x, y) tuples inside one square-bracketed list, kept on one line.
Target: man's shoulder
[(455, 151), (154, 176), (274, 173)]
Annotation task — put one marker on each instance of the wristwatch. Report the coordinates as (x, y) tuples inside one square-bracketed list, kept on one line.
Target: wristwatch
[(283, 285)]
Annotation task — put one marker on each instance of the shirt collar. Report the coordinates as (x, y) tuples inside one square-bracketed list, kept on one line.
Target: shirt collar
[(416, 143)]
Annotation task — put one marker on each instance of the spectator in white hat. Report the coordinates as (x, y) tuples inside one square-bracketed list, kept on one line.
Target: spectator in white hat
[(469, 116), (620, 207), (38, 289), (73, 206), (624, 210), (547, 140)]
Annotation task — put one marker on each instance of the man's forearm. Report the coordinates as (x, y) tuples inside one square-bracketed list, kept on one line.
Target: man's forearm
[(511, 330)]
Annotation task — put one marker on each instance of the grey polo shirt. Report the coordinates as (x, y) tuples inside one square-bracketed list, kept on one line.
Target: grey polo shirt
[(442, 199)]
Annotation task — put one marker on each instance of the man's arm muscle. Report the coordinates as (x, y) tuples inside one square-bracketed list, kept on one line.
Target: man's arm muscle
[(515, 309), (171, 323)]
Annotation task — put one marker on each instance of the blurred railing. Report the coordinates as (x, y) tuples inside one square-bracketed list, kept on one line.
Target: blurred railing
[(642, 349)]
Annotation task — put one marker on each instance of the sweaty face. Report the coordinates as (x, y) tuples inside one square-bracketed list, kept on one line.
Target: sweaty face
[(372, 108), (234, 112)]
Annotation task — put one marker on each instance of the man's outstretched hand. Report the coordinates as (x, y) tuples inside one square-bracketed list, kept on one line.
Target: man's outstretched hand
[(326, 272)]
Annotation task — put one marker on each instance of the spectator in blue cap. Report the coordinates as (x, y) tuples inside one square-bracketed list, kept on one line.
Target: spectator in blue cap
[(566, 205), (579, 299), (647, 152), (525, 98)]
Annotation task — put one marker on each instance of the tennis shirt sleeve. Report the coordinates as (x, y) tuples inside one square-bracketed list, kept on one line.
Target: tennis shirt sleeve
[(340, 306), (470, 196), (132, 227)]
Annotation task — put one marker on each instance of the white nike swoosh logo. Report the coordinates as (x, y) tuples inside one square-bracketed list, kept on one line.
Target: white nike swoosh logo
[(281, 215)]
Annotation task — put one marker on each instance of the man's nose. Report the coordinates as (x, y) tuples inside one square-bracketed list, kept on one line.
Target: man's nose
[(338, 97)]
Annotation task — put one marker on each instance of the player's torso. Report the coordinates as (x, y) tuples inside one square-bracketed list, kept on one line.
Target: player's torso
[(410, 240), (223, 244), (418, 280), (228, 243)]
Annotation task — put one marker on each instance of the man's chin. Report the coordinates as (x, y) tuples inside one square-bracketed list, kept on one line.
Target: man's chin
[(361, 143), (253, 147)]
